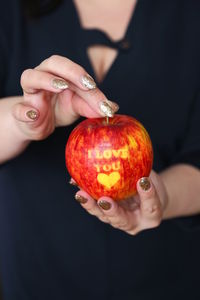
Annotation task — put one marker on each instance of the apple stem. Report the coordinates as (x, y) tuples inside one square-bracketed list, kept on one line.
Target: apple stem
[(107, 120)]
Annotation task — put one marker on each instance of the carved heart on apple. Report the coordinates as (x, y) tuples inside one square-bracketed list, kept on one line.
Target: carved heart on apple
[(107, 157)]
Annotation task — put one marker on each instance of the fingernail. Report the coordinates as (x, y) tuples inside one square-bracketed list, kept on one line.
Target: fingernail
[(145, 183), (80, 198), (59, 84), (88, 82), (32, 114), (104, 204), (73, 182), (106, 109)]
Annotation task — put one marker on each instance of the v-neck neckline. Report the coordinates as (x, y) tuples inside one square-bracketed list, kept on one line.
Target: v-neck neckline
[(130, 28)]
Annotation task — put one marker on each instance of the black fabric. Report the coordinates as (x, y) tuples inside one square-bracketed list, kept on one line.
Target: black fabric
[(50, 247)]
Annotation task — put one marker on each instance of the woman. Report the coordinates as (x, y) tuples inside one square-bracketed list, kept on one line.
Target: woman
[(145, 56)]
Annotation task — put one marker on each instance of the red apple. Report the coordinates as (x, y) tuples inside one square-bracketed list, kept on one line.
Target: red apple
[(107, 157)]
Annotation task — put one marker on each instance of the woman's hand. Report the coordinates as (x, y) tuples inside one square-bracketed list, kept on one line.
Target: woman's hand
[(56, 93), (143, 211)]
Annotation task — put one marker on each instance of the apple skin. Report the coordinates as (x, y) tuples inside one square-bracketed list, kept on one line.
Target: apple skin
[(108, 158)]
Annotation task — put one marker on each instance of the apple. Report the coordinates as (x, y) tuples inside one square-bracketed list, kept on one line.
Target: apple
[(106, 157)]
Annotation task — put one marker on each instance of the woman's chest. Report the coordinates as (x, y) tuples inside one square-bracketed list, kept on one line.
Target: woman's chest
[(109, 19)]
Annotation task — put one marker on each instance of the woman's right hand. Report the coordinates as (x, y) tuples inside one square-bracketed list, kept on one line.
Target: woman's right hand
[(56, 93)]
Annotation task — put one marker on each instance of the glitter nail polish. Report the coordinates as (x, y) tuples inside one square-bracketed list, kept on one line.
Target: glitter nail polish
[(104, 204), (32, 115), (88, 82), (80, 198), (145, 183), (60, 84), (106, 109)]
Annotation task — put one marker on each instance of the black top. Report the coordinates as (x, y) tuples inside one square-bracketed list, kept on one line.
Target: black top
[(50, 247)]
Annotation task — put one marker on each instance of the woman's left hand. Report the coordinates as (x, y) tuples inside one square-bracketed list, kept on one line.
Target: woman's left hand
[(143, 211)]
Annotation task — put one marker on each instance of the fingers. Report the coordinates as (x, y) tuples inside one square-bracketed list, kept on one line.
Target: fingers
[(116, 215), (90, 205), (25, 113), (77, 91), (130, 217), (97, 101), (58, 73), (67, 69), (34, 84), (106, 210), (69, 107), (35, 122), (150, 205), (80, 82), (33, 80)]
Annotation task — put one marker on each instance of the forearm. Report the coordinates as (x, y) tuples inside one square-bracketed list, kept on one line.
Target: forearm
[(182, 182), (12, 142)]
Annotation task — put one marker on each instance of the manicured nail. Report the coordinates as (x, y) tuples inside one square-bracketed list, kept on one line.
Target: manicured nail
[(80, 198), (73, 182), (88, 82), (104, 204), (106, 109), (59, 84), (32, 114), (145, 183)]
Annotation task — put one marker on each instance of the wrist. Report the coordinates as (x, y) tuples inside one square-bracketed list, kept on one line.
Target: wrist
[(169, 208), (182, 182), (166, 201)]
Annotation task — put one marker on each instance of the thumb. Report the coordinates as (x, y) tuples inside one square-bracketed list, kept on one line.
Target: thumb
[(25, 113), (150, 205)]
